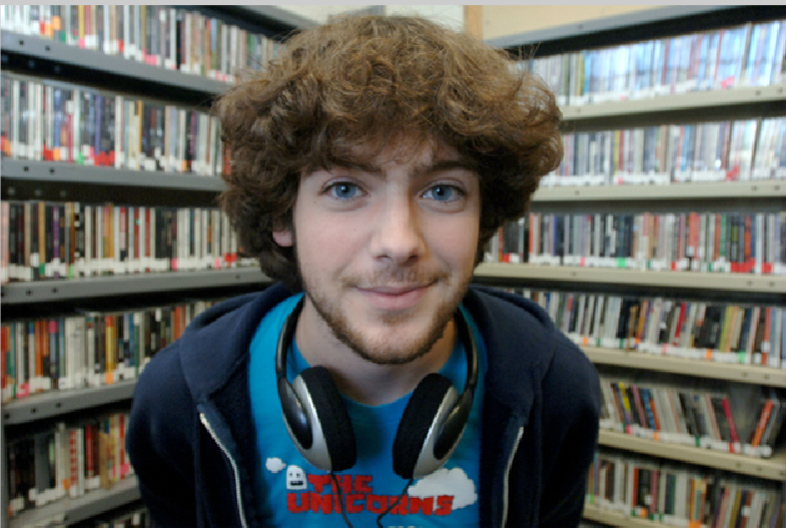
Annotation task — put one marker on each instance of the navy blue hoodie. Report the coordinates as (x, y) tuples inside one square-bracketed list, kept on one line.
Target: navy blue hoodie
[(191, 438)]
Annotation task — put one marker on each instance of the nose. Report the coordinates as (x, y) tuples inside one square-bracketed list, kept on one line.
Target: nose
[(397, 236)]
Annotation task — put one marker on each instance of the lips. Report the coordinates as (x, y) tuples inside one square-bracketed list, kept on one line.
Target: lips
[(394, 298), (394, 290)]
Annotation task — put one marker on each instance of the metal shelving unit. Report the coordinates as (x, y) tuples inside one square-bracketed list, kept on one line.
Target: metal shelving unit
[(22, 179), (590, 27), (64, 56), (757, 195), (752, 374), (53, 173), (20, 293), (695, 281), (71, 511), (268, 15), (694, 192), (741, 96), (773, 468), (616, 518), (55, 403)]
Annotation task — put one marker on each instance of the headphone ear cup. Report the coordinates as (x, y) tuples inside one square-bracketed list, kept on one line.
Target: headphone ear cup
[(336, 447), (431, 401)]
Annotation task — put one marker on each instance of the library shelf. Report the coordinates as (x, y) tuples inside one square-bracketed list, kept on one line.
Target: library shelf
[(695, 192), (63, 56), (57, 62), (752, 374), (54, 172), (613, 517), (646, 109), (269, 16), (22, 293), (71, 511), (741, 96), (574, 30), (740, 282), (58, 402), (773, 468)]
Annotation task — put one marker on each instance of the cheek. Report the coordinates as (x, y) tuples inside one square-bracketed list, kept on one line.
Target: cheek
[(327, 239), (456, 243)]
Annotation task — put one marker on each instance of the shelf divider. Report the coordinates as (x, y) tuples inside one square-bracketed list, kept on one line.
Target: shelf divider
[(741, 282), (694, 192), (773, 468), (71, 511), (617, 518), (56, 290), (66, 55), (754, 374), (743, 95), (57, 402), (53, 172)]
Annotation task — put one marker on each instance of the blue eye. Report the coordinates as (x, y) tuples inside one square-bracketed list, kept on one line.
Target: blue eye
[(344, 190), (443, 193)]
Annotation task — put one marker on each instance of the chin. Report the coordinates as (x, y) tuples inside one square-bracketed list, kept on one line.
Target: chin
[(388, 347)]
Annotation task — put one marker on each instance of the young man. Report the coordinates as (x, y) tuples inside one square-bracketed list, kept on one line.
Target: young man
[(370, 165)]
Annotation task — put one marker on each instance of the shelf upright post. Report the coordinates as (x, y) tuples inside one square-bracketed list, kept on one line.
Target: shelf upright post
[(3, 474)]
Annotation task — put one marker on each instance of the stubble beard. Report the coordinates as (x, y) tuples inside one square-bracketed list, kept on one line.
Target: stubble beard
[(403, 350)]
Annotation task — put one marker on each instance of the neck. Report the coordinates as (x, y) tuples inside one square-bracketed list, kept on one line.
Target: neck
[(359, 379)]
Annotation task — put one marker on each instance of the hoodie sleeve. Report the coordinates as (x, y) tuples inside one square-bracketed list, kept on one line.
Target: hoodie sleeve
[(572, 395), (159, 441)]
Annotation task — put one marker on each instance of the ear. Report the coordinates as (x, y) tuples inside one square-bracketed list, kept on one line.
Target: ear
[(283, 237)]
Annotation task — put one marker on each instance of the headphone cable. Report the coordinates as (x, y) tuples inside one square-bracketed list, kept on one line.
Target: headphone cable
[(379, 519), (395, 503), (340, 499)]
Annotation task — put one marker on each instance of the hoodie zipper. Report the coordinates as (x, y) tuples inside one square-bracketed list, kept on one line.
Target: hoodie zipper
[(238, 496), (506, 477)]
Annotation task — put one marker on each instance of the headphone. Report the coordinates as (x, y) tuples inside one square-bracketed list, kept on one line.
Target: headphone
[(319, 425)]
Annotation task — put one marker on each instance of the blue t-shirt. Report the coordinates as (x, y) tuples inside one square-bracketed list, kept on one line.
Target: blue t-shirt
[(297, 494)]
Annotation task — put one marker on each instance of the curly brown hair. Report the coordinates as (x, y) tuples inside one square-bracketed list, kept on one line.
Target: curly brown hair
[(361, 81)]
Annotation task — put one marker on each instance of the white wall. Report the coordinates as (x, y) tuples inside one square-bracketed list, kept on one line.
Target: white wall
[(506, 20), (449, 15), (319, 13)]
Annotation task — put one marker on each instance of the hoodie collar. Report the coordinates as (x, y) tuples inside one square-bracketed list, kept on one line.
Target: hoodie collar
[(520, 343), (217, 342)]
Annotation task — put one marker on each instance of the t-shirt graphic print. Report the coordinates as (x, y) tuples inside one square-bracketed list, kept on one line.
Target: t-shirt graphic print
[(437, 495)]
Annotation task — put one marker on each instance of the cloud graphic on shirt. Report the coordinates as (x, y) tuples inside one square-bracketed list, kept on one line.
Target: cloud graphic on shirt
[(444, 481), (275, 465)]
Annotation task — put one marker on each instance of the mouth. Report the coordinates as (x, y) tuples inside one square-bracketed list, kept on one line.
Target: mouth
[(394, 297), (394, 290)]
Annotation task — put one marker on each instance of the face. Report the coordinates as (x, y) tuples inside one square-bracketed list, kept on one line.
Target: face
[(386, 250), (296, 478)]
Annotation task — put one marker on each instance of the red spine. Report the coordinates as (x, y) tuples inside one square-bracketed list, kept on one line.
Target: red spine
[(762, 425)]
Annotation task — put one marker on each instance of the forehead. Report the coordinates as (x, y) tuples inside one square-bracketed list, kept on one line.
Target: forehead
[(405, 149), (418, 153)]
